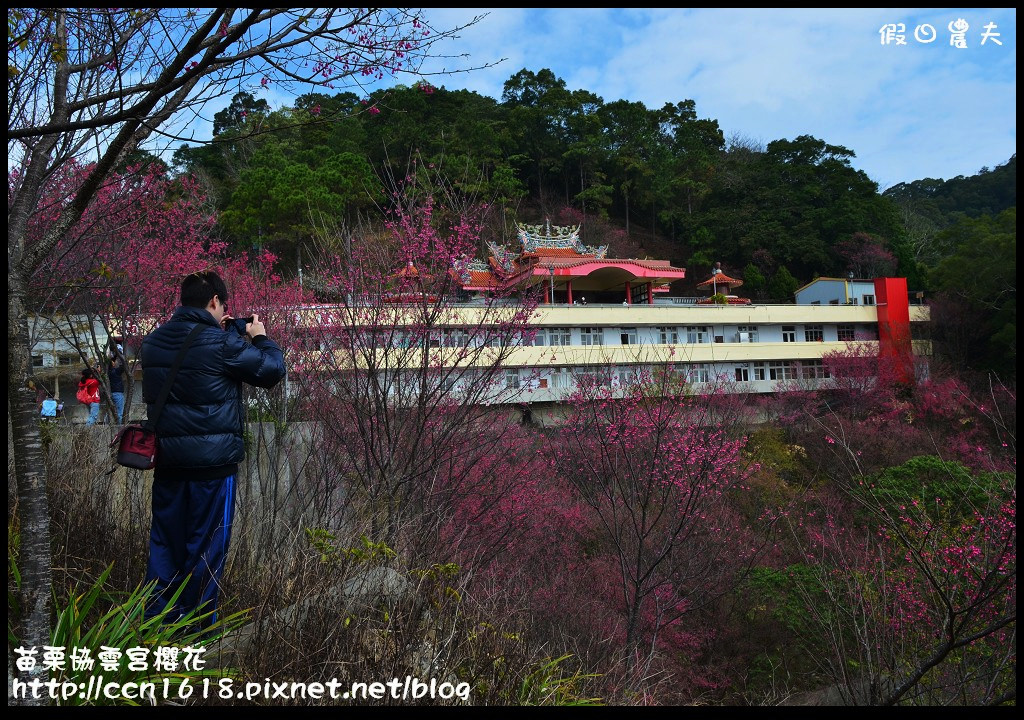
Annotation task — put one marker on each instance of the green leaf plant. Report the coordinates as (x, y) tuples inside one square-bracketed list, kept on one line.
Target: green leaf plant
[(170, 671)]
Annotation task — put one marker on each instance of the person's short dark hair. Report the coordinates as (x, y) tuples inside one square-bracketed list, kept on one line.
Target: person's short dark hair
[(198, 289)]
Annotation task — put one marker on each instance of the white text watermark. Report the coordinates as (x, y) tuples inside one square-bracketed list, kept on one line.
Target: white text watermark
[(98, 686)]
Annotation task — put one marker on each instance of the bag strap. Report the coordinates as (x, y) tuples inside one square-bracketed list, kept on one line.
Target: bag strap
[(169, 383)]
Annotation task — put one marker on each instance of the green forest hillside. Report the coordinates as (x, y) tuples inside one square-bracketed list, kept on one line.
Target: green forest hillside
[(662, 182)]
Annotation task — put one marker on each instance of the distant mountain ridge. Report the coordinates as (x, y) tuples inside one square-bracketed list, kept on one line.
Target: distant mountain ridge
[(988, 193)]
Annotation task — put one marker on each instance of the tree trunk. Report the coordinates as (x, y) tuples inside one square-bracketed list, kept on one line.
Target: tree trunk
[(633, 627), (583, 203), (33, 514), (627, 213)]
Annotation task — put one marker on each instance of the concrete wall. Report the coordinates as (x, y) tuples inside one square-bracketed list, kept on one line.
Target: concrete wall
[(281, 487)]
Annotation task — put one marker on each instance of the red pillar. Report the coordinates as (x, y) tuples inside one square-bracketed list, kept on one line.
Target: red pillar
[(547, 300), (893, 308), (650, 293), (629, 295), (568, 290)]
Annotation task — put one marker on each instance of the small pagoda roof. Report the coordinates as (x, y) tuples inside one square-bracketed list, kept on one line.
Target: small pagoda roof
[(410, 270), (720, 278)]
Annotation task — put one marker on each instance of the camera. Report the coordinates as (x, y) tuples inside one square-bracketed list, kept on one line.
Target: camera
[(238, 324)]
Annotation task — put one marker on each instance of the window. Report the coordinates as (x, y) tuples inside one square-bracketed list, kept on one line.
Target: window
[(591, 336), (539, 337), (65, 360), (789, 333), (869, 299), (668, 336), (921, 369), (759, 371), (699, 372), (813, 333), (628, 336), (696, 334), (748, 333), (560, 377), (781, 370), (815, 302), (629, 376), (399, 339), (503, 338), (812, 369), (593, 377), (559, 336), (37, 361), (845, 333), (742, 373), (455, 337), (512, 378)]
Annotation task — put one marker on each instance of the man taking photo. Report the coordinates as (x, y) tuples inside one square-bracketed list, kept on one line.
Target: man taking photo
[(200, 431)]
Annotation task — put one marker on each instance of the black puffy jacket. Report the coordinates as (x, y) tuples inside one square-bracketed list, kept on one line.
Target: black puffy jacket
[(201, 427)]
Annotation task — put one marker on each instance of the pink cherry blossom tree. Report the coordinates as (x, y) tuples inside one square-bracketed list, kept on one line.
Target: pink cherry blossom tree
[(656, 470), (117, 273), (408, 379), (917, 604), (98, 83), (912, 539)]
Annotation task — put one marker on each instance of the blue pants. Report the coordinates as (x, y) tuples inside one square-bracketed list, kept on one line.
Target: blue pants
[(118, 398), (189, 537), (94, 413)]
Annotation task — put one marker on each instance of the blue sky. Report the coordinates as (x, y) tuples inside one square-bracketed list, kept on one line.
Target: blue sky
[(907, 111)]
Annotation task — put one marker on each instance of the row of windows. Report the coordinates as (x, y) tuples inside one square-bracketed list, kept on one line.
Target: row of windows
[(597, 336), (868, 300), (781, 370), (812, 333), (690, 334), (775, 370), (403, 383), (62, 360), (603, 377)]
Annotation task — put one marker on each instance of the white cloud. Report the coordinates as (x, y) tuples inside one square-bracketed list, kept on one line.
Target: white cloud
[(907, 112)]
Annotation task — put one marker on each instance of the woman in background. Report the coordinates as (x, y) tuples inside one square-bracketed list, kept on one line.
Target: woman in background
[(89, 393)]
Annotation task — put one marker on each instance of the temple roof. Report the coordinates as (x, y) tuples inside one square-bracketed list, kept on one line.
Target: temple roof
[(548, 239), (551, 250), (479, 275), (557, 252), (568, 262)]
